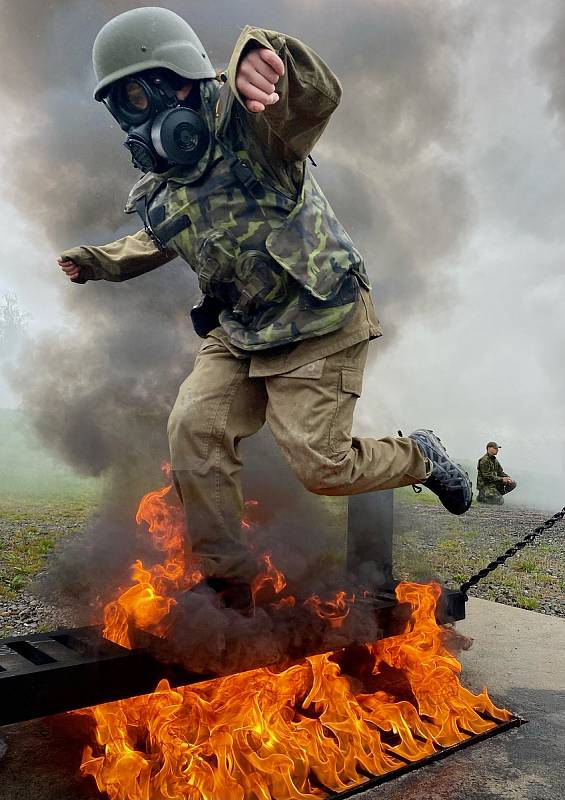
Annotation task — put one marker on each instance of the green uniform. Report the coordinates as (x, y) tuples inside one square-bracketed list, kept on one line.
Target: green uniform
[(491, 488)]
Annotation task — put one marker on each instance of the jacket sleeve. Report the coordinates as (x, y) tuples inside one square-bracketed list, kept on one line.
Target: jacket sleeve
[(120, 260), (489, 471), (309, 92)]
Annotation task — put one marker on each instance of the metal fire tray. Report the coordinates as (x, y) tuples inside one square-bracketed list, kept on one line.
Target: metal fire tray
[(49, 673), (405, 767)]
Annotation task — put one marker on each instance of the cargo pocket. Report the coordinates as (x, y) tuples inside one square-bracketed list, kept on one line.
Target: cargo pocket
[(350, 386), (261, 283), (313, 370), (216, 265)]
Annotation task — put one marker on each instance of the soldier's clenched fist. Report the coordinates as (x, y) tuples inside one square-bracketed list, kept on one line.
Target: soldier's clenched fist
[(69, 267), (257, 75)]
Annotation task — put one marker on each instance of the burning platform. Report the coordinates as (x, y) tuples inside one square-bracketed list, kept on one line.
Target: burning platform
[(65, 670), (519, 652), (49, 673), (340, 694), (326, 726)]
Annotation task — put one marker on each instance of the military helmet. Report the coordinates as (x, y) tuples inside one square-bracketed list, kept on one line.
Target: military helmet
[(146, 38)]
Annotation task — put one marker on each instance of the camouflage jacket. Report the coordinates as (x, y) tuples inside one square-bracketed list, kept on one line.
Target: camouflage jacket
[(489, 472), (272, 253)]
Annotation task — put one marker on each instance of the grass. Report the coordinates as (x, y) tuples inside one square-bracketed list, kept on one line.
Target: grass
[(25, 557), (407, 496), (433, 545), (526, 565), (41, 500), (530, 603), (30, 531)]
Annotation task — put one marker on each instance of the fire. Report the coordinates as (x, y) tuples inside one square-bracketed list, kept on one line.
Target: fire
[(319, 727), (271, 575), (333, 611), (148, 601)]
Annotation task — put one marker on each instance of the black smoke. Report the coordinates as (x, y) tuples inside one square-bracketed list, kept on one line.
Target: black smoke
[(99, 394)]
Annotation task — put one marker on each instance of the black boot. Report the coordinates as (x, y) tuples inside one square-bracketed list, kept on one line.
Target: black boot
[(448, 480), (225, 593), (233, 594)]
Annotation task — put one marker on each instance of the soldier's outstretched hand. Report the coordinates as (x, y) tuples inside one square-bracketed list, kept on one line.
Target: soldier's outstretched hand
[(257, 75), (69, 267)]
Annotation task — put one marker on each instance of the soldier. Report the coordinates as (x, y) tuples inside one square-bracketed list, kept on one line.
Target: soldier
[(492, 482), (286, 313)]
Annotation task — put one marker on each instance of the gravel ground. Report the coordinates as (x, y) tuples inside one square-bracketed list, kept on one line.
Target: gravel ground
[(25, 614), (28, 535), (430, 543)]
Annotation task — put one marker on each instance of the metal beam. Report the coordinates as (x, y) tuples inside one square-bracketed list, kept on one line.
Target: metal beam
[(49, 673), (370, 535)]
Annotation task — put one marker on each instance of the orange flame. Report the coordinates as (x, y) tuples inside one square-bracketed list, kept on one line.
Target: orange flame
[(300, 734), (293, 735), (333, 611), (147, 602), (272, 576)]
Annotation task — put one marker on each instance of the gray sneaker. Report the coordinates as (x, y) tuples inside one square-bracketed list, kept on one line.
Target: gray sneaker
[(448, 480)]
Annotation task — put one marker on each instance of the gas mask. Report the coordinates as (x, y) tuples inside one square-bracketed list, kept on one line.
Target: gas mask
[(162, 132)]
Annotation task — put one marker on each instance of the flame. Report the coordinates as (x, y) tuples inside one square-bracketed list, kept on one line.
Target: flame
[(148, 601), (321, 726), (293, 735), (333, 611), (271, 576)]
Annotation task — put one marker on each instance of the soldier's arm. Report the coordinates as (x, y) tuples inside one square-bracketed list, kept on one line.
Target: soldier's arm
[(489, 471), (308, 93), (504, 476), (118, 261)]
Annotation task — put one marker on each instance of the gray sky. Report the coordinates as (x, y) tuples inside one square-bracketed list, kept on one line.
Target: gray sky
[(446, 162), (491, 363)]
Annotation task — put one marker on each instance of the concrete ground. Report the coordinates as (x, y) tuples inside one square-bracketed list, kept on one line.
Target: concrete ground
[(519, 655)]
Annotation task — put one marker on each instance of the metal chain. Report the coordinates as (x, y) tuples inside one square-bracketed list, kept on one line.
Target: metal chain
[(528, 539)]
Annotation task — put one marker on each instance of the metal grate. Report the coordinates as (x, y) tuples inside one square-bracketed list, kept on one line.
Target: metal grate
[(50, 673), (406, 767)]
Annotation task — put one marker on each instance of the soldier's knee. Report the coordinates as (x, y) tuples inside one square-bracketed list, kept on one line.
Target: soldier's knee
[(185, 421), (316, 477)]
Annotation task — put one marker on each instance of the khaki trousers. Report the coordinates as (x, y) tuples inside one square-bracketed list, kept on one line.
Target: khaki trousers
[(310, 413)]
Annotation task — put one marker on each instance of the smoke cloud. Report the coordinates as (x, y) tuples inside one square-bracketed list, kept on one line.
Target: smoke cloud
[(99, 394), (445, 162), (385, 162)]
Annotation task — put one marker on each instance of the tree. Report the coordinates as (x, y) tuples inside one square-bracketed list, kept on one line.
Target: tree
[(13, 323)]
